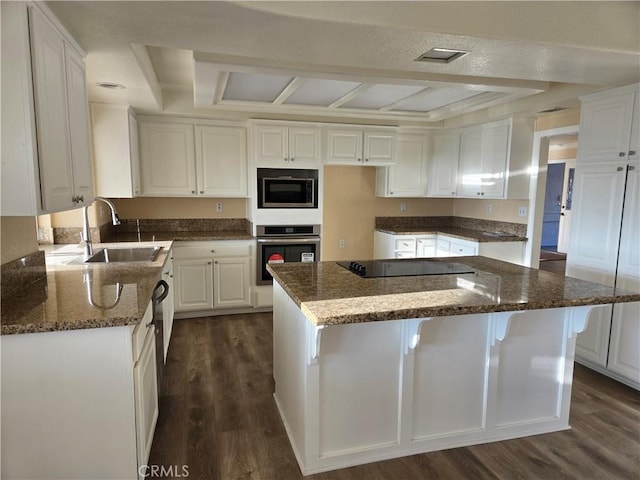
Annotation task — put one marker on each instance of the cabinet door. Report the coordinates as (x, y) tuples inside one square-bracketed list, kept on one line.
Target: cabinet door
[(221, 156), (79, 125), (193, 285), (271, 145), (634, 143), (168, 305), (470, 175), (443, 165), (167, 159), (605, 128), (624, 349), (595, 223), (407, 177), (495, 154), (304, 146), (426, 247), (134, 155), (50, 92), (443, 247), (146, 397), (379, 148), (231, 282), (344, 147)]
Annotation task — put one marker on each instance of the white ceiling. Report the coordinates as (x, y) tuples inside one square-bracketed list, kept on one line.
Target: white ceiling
[(352, 59)]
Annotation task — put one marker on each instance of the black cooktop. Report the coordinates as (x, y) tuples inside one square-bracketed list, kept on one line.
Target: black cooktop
[(403, 268)]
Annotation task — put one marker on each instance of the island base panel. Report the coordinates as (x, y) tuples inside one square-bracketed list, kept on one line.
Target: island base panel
[(358, 393)]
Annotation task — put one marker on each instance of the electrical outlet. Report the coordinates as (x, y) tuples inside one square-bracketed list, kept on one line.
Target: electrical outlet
[(340, 243), (219, 207), (403, 207), (522, 211), (489, 209)]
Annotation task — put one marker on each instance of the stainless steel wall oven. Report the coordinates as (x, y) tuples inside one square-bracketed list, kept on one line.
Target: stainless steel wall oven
[(285, 243)]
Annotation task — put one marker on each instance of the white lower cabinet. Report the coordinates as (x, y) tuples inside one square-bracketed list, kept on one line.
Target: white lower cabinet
[(168, 306), (85, 400), (212, 275), (388, 245)]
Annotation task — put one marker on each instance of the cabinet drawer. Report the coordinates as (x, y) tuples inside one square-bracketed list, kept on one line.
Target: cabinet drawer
[(200, 250), (462, 249), (140, 332), (405, 245)]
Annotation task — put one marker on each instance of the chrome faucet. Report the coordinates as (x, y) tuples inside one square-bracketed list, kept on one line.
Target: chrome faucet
[(85, 236)]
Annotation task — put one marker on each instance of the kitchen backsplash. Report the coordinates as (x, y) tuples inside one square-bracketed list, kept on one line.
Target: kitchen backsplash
[(20, 273), (184, 225), (414, 223)]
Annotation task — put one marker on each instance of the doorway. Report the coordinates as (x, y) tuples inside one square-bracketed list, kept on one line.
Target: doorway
[(553, 146)]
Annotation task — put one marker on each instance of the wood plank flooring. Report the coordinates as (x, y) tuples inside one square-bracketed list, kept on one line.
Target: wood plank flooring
[(218, 417)]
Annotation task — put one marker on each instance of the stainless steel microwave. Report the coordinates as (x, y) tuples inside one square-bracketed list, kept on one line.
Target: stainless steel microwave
[(287, 188)]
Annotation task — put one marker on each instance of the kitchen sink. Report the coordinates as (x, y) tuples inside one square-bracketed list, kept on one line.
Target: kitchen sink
[(113, 255)]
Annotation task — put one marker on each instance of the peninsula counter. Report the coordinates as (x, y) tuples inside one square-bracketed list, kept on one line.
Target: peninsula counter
[(368, 369)]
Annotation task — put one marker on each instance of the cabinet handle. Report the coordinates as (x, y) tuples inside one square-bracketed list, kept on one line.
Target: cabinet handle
[(453, 193), (193, 191), (208, 263), (477, 193), (622, 154), (359, 159), (619, 169), (201, 192), (631, 167), (216, 262), (213, 251), (286, 159), (291, 159), (366, 159), (81, 199), (632, 152), (481, 193)]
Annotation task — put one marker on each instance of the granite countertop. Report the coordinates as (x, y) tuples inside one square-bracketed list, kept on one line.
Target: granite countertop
[(63, 299), (329, 294), (181, 236), (462, 233)]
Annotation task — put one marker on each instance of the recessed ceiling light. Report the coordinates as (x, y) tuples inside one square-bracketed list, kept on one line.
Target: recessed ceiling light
[(111, 85), (441, 55)]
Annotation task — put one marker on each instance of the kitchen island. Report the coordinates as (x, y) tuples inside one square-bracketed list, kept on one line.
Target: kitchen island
[(367, 369)]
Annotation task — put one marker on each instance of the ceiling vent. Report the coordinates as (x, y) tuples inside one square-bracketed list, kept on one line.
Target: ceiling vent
[(441, 55), (552, 110), (111, 85)]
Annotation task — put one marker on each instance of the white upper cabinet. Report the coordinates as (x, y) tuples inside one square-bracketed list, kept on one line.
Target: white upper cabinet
[(290, 146), (351, 146), (184, 159), (43, 91), (606, 126), (483, 165), (116, 158), (443, 164), (221, 156), (484, 161), (470, 169), (167, 159), (408, 176)]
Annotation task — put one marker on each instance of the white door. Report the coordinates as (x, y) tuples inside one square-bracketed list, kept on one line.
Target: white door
[(193, 285), (221, 157), (624, 349), (407, 176), (378, 148), (304, 146), (470, 164), (231, 282), (167, 159), (495, 152), (50, 92), (605, 128), (271, 145), (564, 230), (443, 165), (345, 147), (79, 126)]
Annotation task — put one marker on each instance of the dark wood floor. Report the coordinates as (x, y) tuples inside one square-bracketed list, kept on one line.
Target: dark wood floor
[(219, 418)]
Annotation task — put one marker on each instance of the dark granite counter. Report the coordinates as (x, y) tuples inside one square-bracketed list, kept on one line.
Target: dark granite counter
[(71, 295), (329, 294), (462, 233)]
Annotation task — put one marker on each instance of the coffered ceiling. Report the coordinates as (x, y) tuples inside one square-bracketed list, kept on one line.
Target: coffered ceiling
[(352, 59)]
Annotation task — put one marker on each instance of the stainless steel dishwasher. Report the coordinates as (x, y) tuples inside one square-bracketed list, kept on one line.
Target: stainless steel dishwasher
[(159, 294)]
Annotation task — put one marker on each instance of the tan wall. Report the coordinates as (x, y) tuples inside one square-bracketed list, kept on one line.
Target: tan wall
[(501, 210), (565, 153), (350, 208), (18, 238), (98, 214), (180, 207), (565, 118)]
